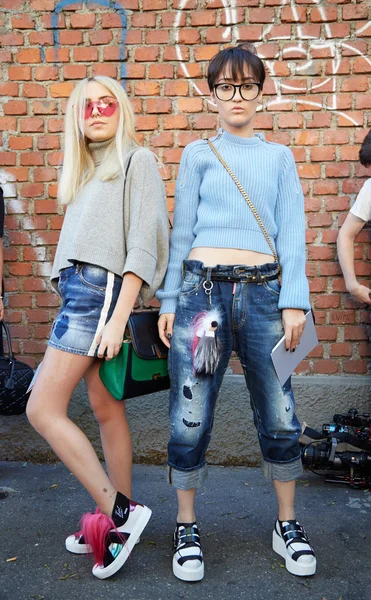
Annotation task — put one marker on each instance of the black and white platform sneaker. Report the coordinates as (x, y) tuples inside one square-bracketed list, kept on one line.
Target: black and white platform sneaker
[(292, 543), (188, 562)]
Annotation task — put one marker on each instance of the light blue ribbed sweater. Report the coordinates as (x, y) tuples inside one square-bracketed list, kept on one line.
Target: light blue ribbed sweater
[(211, 212)]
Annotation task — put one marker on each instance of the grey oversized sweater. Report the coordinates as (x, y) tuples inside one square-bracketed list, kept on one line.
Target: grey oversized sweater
[(120, 234)]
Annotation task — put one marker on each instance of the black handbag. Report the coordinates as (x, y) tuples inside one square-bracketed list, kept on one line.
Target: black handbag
[(140, 367), (15, 377)]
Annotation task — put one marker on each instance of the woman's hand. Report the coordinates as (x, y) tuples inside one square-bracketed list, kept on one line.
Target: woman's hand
[(1, 309), (165, 327), (110, 339), (293, 321), (360, 292)]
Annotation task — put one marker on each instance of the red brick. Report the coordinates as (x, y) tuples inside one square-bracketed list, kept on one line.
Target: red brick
[(7, 159), (160, 37), (22, 22), (84, 21), (317, 15), (160, 105), (85, 54), (70, 38), (356, 332), (61, 90), (46, 73), (32, 190), (5, 56), (323, 154), (326, 366), (186, 137), (12, 39), (173, 155), (320, 253), (337, 170), (355, 366), (32, 222), (45, 206), (203, 17), (41, 38), (19, 73), (37, 316), (15, 107), (309, 171), (100, 37), (48, 142), (176, 88), (74, 72), (20, 143), (357, 83), (56, 55), (175, 122), (154, 4), (253, 33), (146, 54), (205, 52), (48, 22), (104, 69), (47, 300), (189, 105), (263, 15), (146, 88), (29, 55), (34, 90)]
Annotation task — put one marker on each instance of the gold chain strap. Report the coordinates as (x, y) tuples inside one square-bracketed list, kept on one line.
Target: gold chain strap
[(250, 204)]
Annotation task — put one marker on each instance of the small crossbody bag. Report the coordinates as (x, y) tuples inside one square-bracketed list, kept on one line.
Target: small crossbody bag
[(248, 202)]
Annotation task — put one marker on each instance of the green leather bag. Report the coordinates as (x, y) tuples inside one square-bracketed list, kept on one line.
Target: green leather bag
[(140, 368)]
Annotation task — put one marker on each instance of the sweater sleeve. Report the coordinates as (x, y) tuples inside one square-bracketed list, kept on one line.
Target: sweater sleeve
[(185, 218), (290, 240), (148, 231)]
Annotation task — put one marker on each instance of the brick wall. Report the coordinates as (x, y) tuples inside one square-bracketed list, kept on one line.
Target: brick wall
[(317, 101)]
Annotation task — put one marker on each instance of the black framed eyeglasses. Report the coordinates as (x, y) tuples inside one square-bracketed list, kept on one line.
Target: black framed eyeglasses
[(227, 91)]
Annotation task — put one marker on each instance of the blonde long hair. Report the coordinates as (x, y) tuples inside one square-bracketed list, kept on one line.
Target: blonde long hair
[(78, 165)]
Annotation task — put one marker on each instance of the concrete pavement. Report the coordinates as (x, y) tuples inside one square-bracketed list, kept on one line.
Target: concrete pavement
[(236, 513)]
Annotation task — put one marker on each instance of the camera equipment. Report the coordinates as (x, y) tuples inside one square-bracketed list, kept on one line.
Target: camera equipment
[(351, 463)]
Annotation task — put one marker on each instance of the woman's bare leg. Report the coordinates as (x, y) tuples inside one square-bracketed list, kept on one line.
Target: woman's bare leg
[(47, 407), (114, 430)]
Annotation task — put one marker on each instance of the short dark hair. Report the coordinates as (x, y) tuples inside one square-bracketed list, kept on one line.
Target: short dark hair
[(365, 151), (238, 59)]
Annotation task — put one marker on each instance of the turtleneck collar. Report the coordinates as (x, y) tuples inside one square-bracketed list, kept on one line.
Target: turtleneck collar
[(98, 149), (242, 141)]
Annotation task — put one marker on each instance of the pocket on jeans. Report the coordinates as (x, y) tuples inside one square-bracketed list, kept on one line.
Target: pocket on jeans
[(191, 283), (273, 286), (93, 277)]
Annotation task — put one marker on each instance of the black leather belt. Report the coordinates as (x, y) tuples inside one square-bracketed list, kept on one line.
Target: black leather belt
[(239, 275)]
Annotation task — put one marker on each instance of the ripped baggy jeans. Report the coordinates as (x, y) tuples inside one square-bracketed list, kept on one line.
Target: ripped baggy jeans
[(249, 322)]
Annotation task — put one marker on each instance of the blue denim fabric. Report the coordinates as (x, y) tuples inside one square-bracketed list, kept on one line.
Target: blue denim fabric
[(249, 322), (89, 294)]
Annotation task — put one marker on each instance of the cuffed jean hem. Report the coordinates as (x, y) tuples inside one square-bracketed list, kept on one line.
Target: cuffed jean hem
[(187, 480), (288, 471)]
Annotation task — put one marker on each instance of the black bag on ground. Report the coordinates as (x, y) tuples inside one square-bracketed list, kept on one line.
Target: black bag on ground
[(15, 377)]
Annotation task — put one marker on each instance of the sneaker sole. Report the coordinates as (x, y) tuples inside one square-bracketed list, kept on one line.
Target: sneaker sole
[(105, 572), (292, 566), (76, 548), (188, 574)]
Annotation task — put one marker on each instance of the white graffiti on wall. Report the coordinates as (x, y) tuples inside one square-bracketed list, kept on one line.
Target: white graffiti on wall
[(302, 44)]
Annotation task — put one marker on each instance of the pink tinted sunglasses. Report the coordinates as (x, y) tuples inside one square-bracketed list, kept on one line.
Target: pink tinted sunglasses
[(106, 107)]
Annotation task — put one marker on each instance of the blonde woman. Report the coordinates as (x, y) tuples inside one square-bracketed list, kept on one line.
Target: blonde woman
[(113, 246)]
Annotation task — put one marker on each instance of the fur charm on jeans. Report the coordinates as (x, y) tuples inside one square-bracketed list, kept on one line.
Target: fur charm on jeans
[(206, 348)]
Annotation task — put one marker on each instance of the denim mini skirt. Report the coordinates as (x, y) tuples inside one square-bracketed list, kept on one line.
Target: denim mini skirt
[(89, 294)]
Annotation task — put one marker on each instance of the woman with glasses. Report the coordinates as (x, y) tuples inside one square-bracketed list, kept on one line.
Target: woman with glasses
[(112, 247), (223, 292)]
